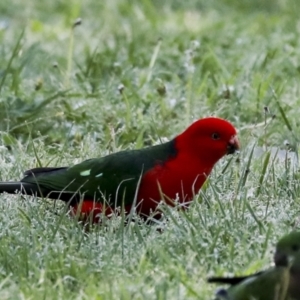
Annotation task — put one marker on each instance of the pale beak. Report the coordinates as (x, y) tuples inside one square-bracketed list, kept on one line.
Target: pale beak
[(233, 145)]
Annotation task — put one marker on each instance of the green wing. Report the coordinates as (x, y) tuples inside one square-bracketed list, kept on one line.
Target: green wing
[(113, 178), (269, 285)]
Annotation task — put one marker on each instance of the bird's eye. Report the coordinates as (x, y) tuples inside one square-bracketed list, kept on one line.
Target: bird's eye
[(215, 136), (295, 247)]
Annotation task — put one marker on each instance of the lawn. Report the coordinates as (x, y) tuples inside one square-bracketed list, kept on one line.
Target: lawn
[(81, 79)]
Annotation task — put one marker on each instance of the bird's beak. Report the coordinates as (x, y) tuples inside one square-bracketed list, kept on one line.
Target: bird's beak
[(233, 145), (280, 259)]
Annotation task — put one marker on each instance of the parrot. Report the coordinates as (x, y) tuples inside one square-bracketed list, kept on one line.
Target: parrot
[(290, 245), (271, 284), (281, 281), (136, 179)]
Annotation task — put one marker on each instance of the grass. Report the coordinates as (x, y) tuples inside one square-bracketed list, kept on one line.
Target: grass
[(133, 73)]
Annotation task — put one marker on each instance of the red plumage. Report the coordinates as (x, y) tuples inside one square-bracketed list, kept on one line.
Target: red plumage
[(173, 170), (181, 176)]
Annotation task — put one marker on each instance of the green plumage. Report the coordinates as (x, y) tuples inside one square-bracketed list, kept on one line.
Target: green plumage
[(281, 282), (290, 245), (113, 178), (269, 285)]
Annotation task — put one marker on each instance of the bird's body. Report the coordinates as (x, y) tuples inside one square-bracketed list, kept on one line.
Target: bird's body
[(268, 285), (173, 170), (290, 245), (281, 282)]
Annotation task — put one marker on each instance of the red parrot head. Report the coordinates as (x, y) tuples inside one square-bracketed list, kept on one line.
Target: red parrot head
[(209, 139)]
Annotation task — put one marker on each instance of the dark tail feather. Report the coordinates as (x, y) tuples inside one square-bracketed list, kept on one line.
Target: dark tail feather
[(14, 187), (226, 280), (31, 189)]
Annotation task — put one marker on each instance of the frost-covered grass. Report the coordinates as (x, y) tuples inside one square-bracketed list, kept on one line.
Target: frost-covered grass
[(133, 73)]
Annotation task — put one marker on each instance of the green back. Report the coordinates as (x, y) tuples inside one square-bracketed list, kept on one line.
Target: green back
[(113, 178)]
